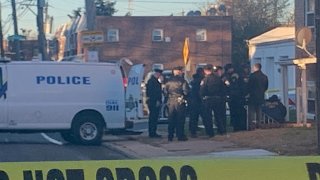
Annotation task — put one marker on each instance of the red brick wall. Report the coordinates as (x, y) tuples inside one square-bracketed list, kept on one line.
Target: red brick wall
[(29, 49), (135, 39)]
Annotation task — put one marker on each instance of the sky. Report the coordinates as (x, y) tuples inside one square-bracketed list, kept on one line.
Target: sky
[(59, 9)]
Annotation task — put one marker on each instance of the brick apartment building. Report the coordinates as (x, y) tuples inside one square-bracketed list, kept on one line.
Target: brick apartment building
[(304, 17), (152, 40)]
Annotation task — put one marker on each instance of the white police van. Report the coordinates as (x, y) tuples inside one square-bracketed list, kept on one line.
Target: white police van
[(80, 100)]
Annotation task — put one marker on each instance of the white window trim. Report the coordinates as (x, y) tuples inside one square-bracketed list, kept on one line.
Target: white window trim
[(109, 39), (161, 35), (205, 35)]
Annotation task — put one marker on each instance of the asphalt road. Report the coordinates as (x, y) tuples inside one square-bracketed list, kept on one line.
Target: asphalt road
[(50, 147)]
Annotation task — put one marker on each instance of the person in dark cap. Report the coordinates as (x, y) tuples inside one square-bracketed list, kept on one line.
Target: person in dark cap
[(177, 90), (218, 70), (212, 92), (236, 97), (195, 102), (154, 99), (208, 67)]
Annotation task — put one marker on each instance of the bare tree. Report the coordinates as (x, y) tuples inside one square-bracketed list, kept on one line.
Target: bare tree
[(251, 18)]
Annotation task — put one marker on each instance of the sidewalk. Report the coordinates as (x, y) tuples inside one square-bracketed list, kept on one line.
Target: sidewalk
[(142, 147)]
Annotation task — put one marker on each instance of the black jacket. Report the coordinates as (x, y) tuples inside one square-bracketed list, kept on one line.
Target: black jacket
[(236, 87), (154, 90), (176, 87), (212, 86), (195, 87), (257, 86)]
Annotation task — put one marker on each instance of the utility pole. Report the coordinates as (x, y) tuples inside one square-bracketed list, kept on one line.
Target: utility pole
[(91, 52), (16, 38), (130, 6), (317, 26), (46, 18), (91, 14), (1, 34), (42, 42)]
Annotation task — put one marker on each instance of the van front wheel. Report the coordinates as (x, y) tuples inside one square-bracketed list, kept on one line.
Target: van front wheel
[(88, 130), (68, 136)]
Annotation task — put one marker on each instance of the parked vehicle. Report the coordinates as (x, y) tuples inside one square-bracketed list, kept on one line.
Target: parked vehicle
[(79, 100)]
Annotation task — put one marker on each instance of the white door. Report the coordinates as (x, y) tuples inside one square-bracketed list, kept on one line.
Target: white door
[(3, 96), (134, 101)]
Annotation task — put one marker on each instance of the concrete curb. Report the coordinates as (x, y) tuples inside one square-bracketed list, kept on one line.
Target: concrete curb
[(120, 150)]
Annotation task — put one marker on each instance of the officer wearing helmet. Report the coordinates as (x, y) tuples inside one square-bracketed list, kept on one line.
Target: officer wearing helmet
[(212, 92), (177, 90)]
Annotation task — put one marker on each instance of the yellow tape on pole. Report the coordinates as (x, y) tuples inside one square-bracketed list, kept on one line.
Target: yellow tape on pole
[(295, 168)]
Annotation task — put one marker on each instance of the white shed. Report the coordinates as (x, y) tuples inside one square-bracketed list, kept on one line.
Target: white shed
[(272, 49)]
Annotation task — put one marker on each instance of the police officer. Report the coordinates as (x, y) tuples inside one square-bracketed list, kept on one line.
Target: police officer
[(177, 90), (195, 102), (154, 95), (236, 98), (212, 91)]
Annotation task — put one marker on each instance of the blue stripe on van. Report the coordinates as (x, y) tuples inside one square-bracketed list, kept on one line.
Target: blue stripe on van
[(3, 90)]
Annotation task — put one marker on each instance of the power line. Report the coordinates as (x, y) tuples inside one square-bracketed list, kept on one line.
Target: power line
[(16, 31)]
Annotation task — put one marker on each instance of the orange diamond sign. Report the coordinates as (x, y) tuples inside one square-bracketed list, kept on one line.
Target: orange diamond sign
[(185, 51)]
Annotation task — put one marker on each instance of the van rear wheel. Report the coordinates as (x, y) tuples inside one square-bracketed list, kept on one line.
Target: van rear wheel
[(88, 130)]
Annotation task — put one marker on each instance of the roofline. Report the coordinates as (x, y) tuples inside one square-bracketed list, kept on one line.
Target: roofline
[(56, 62), (169, 17), (271, 42)]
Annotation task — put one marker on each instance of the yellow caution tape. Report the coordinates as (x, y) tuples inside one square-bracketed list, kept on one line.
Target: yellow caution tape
[(282, 168)]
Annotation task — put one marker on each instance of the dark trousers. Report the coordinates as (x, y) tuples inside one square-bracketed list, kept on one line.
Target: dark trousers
[(238, 113), (195, 113), (218, 106), (176, 119), (254, 113), (153, 117)]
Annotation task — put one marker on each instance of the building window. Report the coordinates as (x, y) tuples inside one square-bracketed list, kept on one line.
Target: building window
[(257, 60), (113, 35), (157, 35), (269, 69), (283, 58), (310, 7), (201, 35)]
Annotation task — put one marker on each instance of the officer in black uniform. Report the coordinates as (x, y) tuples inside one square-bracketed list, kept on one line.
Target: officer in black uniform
[(154, 95), (195, 102), (236, 98), (212, 92), (177, 90)]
